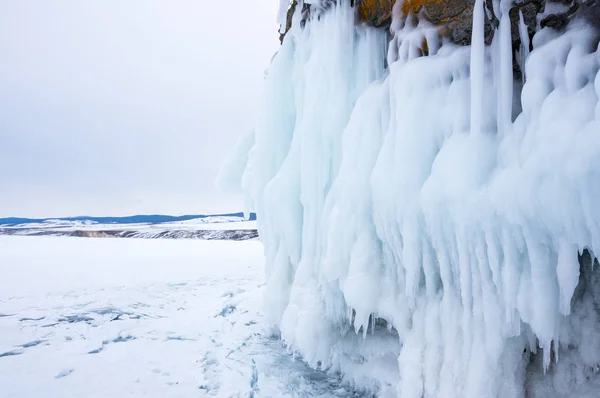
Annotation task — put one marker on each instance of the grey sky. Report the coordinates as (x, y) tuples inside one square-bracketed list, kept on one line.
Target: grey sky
[(126, 106)]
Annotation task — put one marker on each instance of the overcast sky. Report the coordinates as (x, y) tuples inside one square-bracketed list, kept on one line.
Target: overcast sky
[(113, 107)]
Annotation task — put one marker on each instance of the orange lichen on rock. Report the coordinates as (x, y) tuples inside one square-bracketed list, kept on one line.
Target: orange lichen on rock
[(414, 6), (454, 15), (376, 12)]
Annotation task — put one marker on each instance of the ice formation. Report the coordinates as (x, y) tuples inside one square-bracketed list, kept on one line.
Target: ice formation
[(424, 219)]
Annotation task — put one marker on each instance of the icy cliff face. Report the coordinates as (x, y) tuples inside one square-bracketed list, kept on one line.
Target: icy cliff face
[(427, 220)]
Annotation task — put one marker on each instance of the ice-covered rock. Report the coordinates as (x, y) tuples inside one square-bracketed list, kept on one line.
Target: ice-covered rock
[(430, 222)]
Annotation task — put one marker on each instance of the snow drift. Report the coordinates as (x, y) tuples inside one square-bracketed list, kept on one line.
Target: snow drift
[(429, 224)]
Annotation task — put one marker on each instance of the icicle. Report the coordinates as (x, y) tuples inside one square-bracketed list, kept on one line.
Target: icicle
[(525, 43), (546, 357), (567, 272), (477, 68), (506, 82)]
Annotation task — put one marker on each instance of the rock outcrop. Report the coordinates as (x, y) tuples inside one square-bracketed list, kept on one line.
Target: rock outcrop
[(455, 16), (375, 12)]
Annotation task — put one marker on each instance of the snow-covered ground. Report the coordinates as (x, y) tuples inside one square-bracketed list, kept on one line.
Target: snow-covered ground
[(141, 318)]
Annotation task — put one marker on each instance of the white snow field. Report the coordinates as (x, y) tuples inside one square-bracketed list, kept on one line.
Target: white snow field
[(141, 318), (419, 219)]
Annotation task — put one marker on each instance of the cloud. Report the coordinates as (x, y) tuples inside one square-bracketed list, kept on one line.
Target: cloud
[(117, 107)]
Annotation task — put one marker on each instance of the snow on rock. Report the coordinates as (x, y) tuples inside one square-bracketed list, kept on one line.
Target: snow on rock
[(420, 249)]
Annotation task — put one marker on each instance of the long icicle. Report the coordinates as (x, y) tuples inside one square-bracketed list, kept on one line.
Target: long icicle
[(506, 71), (525, 42), (477, 68)]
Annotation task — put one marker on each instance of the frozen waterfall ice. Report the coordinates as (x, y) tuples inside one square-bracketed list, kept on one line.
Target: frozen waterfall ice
[(422, 249)]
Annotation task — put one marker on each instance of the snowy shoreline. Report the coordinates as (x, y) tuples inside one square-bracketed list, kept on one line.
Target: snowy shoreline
[(206, 234), (203, 229)]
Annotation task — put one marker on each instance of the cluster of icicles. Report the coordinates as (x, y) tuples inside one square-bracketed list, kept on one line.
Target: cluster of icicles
[(422, 216)]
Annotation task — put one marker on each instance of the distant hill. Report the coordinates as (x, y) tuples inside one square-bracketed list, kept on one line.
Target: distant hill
[(140, 218)]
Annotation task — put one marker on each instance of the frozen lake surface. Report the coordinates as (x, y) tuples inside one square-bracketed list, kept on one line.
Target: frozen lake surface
[(141, 318)]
